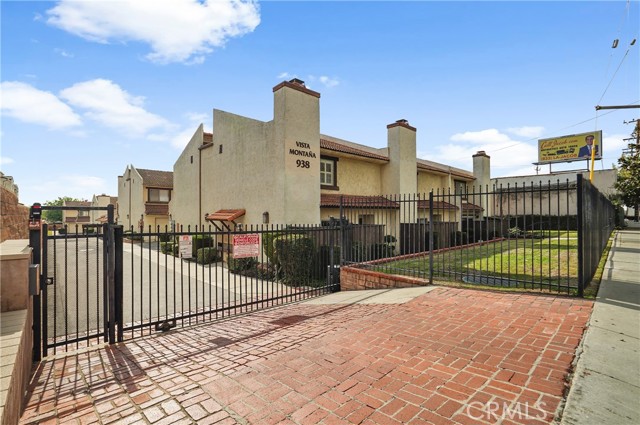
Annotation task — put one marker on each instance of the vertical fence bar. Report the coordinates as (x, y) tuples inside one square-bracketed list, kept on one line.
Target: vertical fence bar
[(119, 281), (580, 214)]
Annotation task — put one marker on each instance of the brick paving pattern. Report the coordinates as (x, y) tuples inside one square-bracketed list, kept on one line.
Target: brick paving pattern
[(450, 356)]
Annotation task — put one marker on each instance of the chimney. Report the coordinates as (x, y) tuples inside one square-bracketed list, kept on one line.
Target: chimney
[(400, 173)]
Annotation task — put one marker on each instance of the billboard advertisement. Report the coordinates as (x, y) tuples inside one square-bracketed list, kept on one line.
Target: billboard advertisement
[(575, 147)]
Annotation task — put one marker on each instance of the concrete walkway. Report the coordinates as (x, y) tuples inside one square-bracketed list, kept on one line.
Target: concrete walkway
[(606, 385)]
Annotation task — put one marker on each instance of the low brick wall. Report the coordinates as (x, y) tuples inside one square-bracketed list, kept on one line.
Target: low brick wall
[(353, 279)]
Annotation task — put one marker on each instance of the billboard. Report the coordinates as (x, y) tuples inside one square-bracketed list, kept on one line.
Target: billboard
[(575, 147)]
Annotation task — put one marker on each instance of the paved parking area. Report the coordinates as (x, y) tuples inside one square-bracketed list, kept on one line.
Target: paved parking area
[(444, 357)]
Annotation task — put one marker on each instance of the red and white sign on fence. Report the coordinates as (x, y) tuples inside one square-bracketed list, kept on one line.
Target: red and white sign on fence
[(245, 246)]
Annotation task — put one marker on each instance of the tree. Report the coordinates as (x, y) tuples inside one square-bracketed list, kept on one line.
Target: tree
[(628, 183), (53, 216)]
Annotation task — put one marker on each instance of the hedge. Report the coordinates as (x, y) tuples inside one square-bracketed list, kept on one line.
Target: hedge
[(207, 255), (295, 257)]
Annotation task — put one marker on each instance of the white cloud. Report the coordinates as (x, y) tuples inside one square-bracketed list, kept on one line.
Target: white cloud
[(5, 160), (74, 185), (508, 156), (107, 103), (489, 136), (26, 103), (529, 132), (285, 75), (614, 142), (63, 53), (176, 30), (328, 82)]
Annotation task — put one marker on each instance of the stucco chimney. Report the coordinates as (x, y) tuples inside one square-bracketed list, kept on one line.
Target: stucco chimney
[(296, 149), (482, 170), (400, 173)]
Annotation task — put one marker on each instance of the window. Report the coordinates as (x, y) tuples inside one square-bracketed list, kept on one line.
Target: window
[(366, 219), (460, 188), (159, 195), (328, 173)]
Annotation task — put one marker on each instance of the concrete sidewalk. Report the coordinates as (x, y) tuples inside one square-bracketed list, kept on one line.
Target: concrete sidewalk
[(606, 385)]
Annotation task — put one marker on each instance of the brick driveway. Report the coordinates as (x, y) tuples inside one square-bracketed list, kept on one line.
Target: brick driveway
[(448, 356)]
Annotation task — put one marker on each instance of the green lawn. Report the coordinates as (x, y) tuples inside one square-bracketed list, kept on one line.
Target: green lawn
[(543, 263)]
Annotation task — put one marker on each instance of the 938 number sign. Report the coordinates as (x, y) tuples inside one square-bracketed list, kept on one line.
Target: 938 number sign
[(300, 163)]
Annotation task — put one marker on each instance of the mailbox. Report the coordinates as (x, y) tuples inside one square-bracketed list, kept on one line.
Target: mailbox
[(35, 212)]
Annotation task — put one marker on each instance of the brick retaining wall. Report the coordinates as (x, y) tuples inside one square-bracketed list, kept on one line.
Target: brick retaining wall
[(352, 279)]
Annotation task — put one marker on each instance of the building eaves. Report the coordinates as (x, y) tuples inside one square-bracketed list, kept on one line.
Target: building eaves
[(338, 147), (328, 200)]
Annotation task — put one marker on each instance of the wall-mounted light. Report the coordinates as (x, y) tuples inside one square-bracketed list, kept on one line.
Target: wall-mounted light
[(265, 217)]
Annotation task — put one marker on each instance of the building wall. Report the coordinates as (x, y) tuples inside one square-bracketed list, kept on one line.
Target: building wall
[(241, 169), (431, 181), (185, 205), (357, 177), (130, 198)]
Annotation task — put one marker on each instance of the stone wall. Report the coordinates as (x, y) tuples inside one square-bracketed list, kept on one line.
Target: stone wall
[(13, 217)]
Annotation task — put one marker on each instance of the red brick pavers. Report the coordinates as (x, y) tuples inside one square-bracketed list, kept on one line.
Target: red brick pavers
[(449, 356)]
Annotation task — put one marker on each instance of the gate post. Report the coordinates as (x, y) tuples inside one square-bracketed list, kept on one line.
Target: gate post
[(118, 280), (581, 235), (431, 237), (35, 242), (110, 288)]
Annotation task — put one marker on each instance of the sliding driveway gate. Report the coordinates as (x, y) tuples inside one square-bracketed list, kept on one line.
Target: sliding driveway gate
[(101, 284)]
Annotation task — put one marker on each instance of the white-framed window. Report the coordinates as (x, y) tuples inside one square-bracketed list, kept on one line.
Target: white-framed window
[(328, 172), (159, 195)]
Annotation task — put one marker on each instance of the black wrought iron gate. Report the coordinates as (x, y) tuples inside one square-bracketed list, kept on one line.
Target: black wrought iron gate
[(78, 278)]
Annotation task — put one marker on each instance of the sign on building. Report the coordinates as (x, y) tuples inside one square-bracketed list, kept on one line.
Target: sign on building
[(245, 246), (575, 147), (185, 246)]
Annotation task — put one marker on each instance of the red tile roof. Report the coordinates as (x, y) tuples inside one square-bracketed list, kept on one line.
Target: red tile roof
[(225, 215), (328, 200), (207, 138), (81, 219), (338, 147), (471, 207), (156, 178), (77, 203), (437, 205)]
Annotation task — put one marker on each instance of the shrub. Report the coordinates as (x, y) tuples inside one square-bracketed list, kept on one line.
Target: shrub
[(207, 255), (240, 265), (200, 241), (165, 237), (170, 248), (268, 246), (295, 255)]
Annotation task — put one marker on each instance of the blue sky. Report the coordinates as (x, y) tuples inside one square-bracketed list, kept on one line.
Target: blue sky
[(89, 87)]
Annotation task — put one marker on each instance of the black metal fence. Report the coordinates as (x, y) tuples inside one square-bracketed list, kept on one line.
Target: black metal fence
[(596, 222), (195, 274), (523, 236), (111, 284)]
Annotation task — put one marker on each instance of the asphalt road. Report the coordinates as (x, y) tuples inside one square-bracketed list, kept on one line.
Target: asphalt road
[(156, 288)]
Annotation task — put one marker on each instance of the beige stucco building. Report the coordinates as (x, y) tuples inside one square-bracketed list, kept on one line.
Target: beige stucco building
[(285, 171), (143, 198)]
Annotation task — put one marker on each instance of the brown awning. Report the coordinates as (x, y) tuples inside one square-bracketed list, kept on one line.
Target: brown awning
[(471, 207), (224, 216), (156, 209)]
